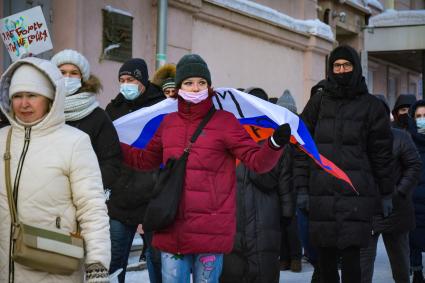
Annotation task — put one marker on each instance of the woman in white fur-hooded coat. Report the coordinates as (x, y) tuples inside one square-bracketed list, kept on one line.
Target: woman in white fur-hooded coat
[(60, 182)]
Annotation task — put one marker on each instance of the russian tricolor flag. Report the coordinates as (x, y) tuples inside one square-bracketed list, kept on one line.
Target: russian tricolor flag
[(258, 117)]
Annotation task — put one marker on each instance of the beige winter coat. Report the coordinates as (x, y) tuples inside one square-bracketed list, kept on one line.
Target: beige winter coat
[(60, 182)]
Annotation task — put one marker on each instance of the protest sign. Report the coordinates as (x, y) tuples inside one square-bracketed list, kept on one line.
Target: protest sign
[(25, 33)]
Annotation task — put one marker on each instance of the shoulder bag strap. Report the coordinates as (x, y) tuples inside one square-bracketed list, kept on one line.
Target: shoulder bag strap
[(200, 127), (6, 158)]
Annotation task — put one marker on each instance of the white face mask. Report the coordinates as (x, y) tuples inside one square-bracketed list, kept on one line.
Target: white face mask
[(130, 91), (194, 97), (72, 85)]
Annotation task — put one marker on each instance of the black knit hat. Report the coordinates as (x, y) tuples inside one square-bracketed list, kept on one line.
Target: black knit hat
[(257, 92), (341, 52), (136, 68), (192, 65)]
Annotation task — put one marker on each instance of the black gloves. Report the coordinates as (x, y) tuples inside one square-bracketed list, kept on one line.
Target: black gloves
[(282, 134), (387, 206)]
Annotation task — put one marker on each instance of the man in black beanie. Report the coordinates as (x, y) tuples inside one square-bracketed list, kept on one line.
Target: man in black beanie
[(127, 207), (136, 91), (351, 128)]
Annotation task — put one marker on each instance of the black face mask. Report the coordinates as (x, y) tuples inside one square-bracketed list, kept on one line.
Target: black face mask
[(343, 79), (403, 119)]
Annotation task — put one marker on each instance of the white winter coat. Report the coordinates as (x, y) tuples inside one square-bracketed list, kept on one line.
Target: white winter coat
[(60, 180)]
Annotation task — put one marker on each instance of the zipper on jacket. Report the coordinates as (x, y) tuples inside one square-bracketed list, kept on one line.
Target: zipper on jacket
[(58, 222), (27, 139)]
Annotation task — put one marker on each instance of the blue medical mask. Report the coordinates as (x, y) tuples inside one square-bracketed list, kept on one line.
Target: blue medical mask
[(72, 85), (420, 122), (130, 91)]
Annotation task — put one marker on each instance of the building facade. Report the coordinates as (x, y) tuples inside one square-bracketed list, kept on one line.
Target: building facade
[(272, 44)]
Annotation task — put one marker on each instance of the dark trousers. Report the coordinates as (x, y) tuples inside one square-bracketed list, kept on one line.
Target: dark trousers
[(397, 246), (121, 240), (290, 247), (328, 262), (153, 260), (309, 251), (415, 259)]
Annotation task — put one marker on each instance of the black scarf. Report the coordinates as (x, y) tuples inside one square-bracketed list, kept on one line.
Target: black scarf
[(355, 83)]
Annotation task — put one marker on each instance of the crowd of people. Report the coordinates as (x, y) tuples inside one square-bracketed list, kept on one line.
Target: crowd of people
[(237, 222)]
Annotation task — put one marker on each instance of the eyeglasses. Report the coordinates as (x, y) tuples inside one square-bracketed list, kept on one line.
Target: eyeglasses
[(346, 66)]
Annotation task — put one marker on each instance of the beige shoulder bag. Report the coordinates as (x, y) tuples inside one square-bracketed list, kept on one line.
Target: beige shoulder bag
[(49, 250)]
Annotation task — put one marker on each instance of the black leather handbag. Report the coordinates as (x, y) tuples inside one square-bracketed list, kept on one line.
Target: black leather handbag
[(162, 208)]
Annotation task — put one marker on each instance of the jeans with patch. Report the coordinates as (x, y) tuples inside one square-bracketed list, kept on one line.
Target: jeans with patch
[(206, 268)]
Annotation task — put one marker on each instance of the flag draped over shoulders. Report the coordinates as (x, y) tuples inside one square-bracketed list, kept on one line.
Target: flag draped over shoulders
[(257, 116)]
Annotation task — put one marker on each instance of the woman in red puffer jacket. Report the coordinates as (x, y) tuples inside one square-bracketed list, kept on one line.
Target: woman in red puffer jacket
[(205, 224)]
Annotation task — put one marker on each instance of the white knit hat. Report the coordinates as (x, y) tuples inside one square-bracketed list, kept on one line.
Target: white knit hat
[(69, 56), (28, 78)]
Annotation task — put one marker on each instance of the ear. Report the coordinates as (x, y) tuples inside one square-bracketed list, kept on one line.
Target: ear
[(142, 88)]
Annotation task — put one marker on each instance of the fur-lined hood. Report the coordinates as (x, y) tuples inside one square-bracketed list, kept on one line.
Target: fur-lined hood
[(93, 85), (163, 73)]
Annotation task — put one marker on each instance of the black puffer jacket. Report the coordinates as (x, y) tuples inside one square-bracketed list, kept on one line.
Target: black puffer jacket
[(104, 140), (407, 170), (352, 129), (417, 236), (119, 106), (262, 199), (133, 188)]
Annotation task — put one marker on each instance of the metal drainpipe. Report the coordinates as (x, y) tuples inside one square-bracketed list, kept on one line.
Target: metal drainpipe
[(161, 35), (423, 74)]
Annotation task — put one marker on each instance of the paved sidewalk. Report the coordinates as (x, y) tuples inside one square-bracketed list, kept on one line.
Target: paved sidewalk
[(382, 272)]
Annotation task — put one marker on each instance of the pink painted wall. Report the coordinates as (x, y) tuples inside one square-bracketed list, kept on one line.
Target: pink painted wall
[(83, 22)]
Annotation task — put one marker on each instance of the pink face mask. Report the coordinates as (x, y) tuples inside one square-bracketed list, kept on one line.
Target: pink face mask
[(194, 97)]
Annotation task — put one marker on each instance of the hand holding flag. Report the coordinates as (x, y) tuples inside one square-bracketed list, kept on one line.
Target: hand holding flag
[(260, 118)]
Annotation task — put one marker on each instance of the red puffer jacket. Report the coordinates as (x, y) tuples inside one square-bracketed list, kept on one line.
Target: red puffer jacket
[(206, 220)]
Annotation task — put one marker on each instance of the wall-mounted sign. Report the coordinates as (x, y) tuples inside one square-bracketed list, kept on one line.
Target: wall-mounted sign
[(117, 34), (25, 33)]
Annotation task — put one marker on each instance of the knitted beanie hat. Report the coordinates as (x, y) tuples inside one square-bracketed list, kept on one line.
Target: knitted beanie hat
[(28, 78), (341, 52), (168, 83), (164, 76), (192, 65), (69, 56), (136, 68), (286, 100), (257, 92)]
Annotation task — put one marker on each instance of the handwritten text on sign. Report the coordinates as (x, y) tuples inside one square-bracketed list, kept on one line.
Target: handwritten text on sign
[(25, 32)]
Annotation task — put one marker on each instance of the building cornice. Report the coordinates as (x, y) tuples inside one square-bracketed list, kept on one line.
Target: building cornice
[(249, 24)]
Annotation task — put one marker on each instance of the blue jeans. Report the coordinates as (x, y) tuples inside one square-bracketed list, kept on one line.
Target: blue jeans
[(121, 240), (309, 250), (206, 268), (153, 260)]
